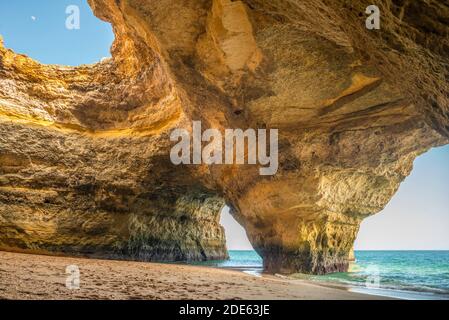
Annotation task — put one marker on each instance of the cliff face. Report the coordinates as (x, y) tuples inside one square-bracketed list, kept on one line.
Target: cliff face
[(85, 167), (84, 152)]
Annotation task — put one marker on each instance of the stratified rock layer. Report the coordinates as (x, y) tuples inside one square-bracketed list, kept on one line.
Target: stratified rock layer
[(84, 152)]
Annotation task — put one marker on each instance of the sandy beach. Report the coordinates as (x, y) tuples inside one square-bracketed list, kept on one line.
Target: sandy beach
[(27, 276)]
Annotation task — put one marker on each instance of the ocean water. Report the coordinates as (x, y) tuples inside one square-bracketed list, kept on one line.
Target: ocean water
[(247, 261), (400, 274)]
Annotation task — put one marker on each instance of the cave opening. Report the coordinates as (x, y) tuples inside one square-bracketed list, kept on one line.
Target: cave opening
[(241, 252), (417, 216), (64, 32)]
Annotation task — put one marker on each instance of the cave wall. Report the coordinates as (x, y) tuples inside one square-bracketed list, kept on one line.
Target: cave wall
[(84, 152)]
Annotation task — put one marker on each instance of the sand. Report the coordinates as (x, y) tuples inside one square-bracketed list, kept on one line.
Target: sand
[(27, 276)]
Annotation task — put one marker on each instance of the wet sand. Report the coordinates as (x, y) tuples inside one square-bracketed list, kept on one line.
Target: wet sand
[(27, 276)]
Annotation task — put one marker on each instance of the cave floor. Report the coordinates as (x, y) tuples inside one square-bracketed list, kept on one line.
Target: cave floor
[(28, 276)]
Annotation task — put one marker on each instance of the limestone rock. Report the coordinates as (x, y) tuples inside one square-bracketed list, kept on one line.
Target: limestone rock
[(84, 152)]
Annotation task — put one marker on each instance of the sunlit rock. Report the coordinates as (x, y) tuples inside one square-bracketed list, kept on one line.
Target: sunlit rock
[(84, 152)]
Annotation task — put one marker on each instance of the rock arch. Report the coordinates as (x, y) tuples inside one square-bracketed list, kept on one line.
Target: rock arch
[(84, 152)]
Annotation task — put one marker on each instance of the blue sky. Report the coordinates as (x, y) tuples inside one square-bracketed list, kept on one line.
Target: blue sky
[(38, 28), (416, 218)]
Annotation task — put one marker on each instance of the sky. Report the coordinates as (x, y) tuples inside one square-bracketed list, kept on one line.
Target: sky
[(417, 218), (38, 28)]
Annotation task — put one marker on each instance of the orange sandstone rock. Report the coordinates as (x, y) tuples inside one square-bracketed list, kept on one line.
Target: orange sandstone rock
[(84, 152)]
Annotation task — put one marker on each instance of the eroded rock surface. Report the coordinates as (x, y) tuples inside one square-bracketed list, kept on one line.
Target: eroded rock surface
[(84, 152)]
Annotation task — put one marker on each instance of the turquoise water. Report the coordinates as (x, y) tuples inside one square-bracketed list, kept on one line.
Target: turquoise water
[(403, 274), (245, 260)]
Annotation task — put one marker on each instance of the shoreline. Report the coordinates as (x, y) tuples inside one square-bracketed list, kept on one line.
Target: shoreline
[(32, 277)]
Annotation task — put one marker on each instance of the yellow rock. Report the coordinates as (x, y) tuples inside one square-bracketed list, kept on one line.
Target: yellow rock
[(84, 151)]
